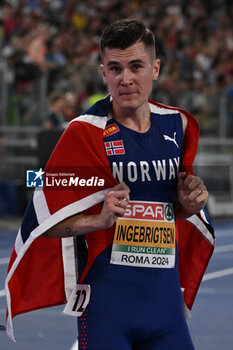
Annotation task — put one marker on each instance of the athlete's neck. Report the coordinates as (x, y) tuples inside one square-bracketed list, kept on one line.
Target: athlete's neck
[(138, 120)]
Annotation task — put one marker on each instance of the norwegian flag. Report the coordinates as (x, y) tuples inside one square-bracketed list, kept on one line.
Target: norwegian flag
[(114, 147), (41, 271)]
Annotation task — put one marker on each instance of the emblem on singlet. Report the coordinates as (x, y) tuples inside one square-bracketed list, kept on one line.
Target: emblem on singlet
[(168, 138), (168, 210), (110, 130), (114, 147)]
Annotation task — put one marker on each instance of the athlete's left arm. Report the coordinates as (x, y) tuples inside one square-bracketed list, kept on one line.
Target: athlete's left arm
[(191, 194)]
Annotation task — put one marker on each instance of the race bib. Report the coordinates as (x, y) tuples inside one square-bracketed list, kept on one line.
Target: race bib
[(145, 236), (78, 300)]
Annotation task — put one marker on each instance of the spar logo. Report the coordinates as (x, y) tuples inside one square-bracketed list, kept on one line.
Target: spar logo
[(169, 212), (155, 211)]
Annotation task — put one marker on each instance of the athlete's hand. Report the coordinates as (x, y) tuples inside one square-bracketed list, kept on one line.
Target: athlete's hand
[(192, 195), (115, 203)]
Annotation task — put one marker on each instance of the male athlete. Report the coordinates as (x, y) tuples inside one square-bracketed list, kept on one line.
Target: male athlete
[(131, 264)]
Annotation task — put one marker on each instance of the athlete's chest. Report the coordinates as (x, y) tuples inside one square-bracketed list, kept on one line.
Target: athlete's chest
[(145, 158)]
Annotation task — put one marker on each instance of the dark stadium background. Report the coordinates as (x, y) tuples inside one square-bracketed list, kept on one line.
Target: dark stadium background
[(49, 71)]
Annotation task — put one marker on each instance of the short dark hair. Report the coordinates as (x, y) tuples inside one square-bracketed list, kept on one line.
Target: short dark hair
[(125, 33)]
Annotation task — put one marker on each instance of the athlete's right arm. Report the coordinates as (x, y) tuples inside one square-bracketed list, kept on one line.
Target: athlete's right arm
[(115, 203)]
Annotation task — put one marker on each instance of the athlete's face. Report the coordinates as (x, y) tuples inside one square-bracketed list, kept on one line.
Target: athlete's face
[(129, 74)]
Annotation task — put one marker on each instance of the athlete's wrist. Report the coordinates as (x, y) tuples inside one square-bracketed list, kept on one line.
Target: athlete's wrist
[(93, 222), (181, 212), (87, 223)]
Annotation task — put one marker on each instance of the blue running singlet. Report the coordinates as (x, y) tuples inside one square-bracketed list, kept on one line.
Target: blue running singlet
[(133, 304)]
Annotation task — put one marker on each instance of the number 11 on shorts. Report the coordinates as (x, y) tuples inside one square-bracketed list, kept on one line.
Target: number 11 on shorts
[(78, 300)]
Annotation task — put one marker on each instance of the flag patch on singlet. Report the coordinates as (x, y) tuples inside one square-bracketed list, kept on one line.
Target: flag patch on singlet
[(111, 129), (114, 147)]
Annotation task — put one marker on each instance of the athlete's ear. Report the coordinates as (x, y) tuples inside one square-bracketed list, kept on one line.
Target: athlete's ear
[(156, 69), (103, 73)]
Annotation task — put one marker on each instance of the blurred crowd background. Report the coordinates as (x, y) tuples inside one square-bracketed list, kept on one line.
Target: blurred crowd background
[(49, 70)]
